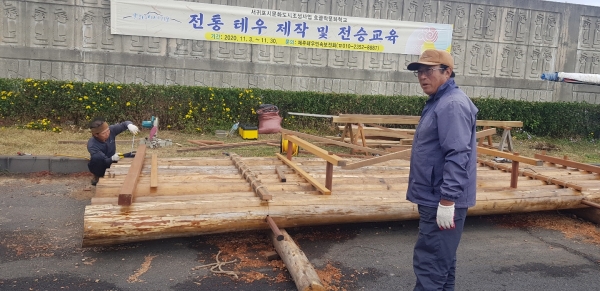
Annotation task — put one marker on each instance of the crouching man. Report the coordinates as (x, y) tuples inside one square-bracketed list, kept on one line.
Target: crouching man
[(102, 146)]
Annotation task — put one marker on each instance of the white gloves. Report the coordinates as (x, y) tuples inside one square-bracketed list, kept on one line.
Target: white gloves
[(134, 129), (445, 216), (115, 158)]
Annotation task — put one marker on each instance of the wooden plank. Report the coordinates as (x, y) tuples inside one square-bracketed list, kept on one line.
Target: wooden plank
[(126, 192), (280, 174), (206, 141), (86, 141), (396, 155), (331, 141), (510, 156), (390, 119), (485, 132), (320, 187), (228, 145), (154, 171), (499, 123), (572, 164), (317, 151), (298, 265), (410, 119), (198, 143)]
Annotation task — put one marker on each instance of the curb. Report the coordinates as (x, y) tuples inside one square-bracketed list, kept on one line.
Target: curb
[(32, 164)]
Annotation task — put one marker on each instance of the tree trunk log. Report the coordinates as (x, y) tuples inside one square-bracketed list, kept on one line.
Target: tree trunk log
[(302, 271)]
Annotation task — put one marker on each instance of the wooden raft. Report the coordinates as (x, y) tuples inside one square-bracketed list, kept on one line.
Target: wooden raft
[(194, 196)]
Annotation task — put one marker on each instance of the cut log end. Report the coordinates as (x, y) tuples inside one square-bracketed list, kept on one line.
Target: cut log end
[(125, 199)]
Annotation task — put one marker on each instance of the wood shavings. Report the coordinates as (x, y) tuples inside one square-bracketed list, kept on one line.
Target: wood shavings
[(143, 269)]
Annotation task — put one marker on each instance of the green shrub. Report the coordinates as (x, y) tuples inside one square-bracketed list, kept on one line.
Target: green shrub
[(204, 109)]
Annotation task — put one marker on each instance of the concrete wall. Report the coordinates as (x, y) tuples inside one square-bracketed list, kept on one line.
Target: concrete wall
[(500, 47)]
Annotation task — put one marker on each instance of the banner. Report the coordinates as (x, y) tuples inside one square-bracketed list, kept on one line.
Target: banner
[(200, 21)]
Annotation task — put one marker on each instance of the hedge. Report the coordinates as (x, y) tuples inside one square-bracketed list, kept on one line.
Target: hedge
[(204, 109)]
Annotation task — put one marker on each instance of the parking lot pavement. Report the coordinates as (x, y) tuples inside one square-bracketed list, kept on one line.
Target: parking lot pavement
[(41, 221)]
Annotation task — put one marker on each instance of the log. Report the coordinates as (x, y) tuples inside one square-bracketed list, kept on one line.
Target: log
[(107, 224), (302, 271)]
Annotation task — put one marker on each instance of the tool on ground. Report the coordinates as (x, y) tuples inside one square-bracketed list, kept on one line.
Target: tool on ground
[(23, 154), (150, 123)]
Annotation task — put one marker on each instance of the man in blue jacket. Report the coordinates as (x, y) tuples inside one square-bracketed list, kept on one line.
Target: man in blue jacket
[(443, 168), (102, 146)]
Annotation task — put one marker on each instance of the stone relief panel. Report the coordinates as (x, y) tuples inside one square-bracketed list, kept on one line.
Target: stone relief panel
[(12, 23), (484, 22), (589, 33), (39, 24), (381, 61), (62, 27), (420, 11), (380, 9), (459, 53), (540, 60), (511, 61), (109, 42), (588, 62), (275, 54), (92, 3), (544, 28), (457, 14), (515, 26), (309, 56), (230, 51), (481, 59), (348, 59)]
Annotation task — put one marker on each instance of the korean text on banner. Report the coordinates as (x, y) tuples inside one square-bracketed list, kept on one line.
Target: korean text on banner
[(212, 22)]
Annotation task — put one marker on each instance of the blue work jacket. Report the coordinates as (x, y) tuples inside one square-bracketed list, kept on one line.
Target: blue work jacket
[(443, 162), (105, 150)]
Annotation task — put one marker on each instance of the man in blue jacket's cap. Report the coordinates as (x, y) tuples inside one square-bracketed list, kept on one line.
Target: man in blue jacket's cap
[(443, 168)]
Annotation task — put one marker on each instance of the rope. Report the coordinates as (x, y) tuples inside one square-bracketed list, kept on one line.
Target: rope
[(218, 264), (261, 186)]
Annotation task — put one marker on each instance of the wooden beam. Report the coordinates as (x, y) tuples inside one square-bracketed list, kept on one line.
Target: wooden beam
[(486, 132), (198, 143), (320, 187), (333, 142), (126, 192), (227, 145), (510, 156), (86, 141), (206, 141), (499, 123), (381, 119), (259, 189), (302, 271), (567, 163), (395, 155), (154, 171), (274, 228), (280, 174), (317, 151), (410, 119)]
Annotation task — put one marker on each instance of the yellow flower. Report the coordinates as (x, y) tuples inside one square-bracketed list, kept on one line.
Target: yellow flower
[(87, 107), (119, 87), (80, 99), (128, 104), (107, 99), (227, 109)]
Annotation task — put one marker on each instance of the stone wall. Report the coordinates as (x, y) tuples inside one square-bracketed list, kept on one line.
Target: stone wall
[(500, 48)]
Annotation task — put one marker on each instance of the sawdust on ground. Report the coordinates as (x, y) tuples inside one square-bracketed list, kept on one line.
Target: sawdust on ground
[(570, 226)]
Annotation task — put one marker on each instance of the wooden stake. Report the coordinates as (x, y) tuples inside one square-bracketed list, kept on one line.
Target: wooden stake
[(302, 271)]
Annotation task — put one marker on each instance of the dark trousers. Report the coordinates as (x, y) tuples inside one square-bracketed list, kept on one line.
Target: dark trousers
[(434, 257), (97, 167)]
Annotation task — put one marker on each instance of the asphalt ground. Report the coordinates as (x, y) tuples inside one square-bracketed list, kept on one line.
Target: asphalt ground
[(41, 222)]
